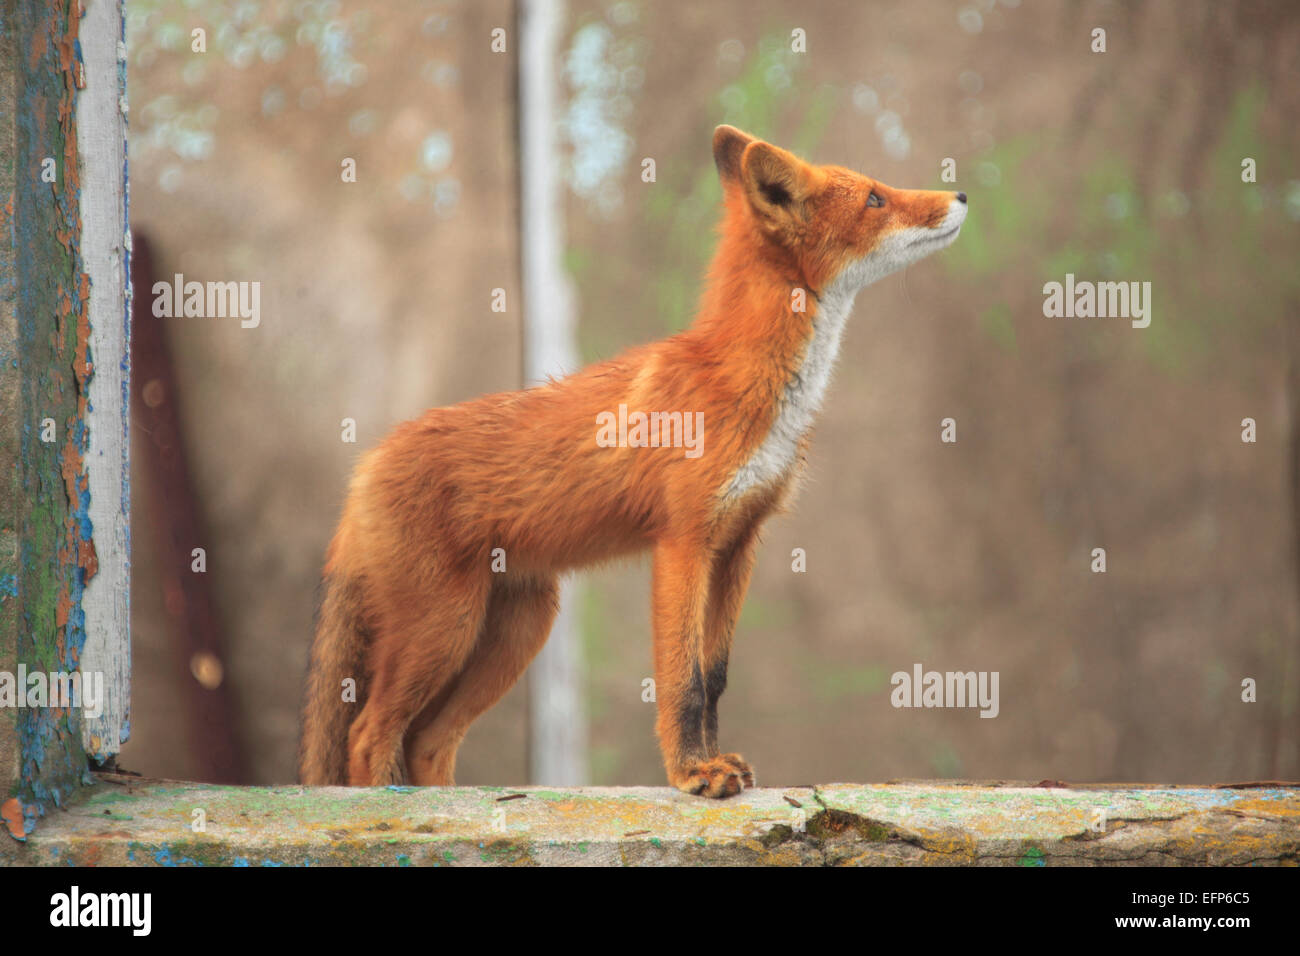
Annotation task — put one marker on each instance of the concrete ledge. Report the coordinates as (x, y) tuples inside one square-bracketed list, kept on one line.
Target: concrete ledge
[(130, 821)]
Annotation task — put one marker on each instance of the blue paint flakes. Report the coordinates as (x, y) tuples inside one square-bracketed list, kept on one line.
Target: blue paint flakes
[(164, 857)]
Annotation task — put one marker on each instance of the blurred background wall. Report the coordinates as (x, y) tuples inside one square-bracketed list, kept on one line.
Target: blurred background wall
[(1072, 433)]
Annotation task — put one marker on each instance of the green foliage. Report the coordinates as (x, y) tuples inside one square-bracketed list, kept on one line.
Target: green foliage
[(768, 81), (996, 321), (830, 681), (1008, 213), (1220, 262), (945, 760), (759, 613), (605, 763), (577, 262)]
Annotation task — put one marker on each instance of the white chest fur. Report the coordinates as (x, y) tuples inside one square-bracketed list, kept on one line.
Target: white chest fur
[(803, 395)]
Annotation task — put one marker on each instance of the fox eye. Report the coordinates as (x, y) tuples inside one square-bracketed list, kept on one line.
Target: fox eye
[(873, 201)]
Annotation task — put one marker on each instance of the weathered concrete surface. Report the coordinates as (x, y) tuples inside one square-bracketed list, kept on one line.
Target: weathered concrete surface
[(129, 821)]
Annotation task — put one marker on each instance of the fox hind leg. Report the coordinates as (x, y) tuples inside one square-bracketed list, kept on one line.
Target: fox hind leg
[(417, 649), (520, 613)]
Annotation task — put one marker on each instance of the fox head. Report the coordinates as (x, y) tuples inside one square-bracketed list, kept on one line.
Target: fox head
[(840, 229)]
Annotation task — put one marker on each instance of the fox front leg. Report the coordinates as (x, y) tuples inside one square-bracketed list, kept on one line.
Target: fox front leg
[(681, 588)]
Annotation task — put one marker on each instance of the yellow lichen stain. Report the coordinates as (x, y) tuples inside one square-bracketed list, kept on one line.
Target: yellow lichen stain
[(1289, 809), (613, 816), (1202, 841), (715, 814), (948, 844), (782, 855)]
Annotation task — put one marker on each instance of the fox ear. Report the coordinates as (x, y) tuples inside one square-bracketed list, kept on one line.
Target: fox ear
[(728, 145), (777, 183)]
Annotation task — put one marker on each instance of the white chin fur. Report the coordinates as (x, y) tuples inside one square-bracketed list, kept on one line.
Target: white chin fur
[(902, 248)]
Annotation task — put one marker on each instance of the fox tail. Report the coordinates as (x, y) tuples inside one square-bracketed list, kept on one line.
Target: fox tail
[(337, 653)]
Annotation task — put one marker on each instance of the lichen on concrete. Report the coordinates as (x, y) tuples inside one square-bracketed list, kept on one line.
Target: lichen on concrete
[(130, 821)]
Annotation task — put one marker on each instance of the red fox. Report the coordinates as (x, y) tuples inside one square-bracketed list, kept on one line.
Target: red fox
[(440, 583)]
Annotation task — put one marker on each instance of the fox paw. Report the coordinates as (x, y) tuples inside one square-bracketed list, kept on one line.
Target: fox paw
[(717, 777)]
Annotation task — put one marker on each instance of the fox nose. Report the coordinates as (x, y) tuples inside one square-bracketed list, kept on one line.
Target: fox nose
[(961, 197)]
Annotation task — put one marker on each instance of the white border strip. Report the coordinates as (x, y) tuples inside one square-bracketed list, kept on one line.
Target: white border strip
[(105, 250)]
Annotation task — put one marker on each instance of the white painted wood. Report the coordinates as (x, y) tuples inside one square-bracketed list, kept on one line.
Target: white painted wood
[(557, 719), (105, 249)]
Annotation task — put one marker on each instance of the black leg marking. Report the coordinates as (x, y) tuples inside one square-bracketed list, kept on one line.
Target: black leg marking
[(713, 688), (690, 718)]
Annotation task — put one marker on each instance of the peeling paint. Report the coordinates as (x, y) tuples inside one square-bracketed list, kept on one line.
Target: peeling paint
[(11, 812), (55, 557)]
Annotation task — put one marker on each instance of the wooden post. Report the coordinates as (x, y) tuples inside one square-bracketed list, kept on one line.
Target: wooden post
[(10, 403), (557, 731), (49, 357)]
